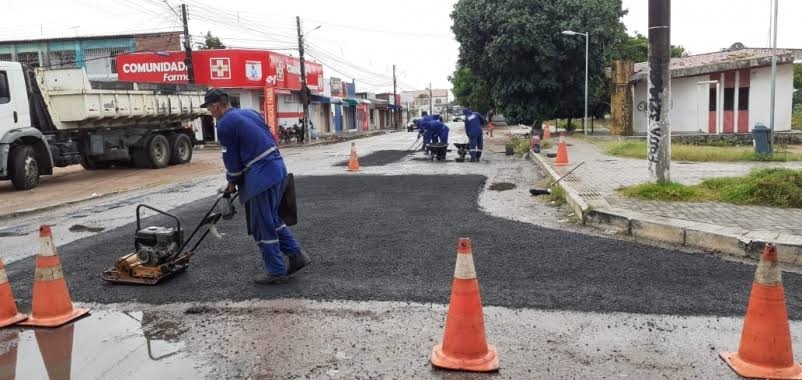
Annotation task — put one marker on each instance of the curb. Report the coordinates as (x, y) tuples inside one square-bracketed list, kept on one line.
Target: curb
[(731, 241)]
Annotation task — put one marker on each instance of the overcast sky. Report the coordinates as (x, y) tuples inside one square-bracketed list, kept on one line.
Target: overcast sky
[(362, 39)]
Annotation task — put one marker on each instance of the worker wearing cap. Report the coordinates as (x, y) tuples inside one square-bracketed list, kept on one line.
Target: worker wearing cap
[(256, 170)]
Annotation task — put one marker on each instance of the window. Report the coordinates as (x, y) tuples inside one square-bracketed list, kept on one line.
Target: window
[(64, 59), (743, 99), (729, 99), (102, 62), (262, 104), (5, 93), (438, 101), (29, 58), (5, 57)]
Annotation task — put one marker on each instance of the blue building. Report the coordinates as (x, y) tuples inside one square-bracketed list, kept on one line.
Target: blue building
[(95, 53)]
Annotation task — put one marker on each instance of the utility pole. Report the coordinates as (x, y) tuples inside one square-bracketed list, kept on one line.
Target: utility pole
[(659, 129), (187, 46), (431, 100), (304, 89), (773, 79), (396, 114)]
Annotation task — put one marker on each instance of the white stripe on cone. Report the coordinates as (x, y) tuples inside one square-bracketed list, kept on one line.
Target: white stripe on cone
[(464, 269)]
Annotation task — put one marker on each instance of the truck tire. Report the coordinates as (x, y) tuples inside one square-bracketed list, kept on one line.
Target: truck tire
[(181, 148), (24, 168), (155, 153), (90, 164)]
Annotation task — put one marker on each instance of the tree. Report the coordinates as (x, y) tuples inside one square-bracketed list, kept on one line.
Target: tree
[(531, 70), (636, 49), (212, 42), (470, 91)]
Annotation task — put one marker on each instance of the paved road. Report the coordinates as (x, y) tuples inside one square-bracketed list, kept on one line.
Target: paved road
[(393, 238), (561, 302)]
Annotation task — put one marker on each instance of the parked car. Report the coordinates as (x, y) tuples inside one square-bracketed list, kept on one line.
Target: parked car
[(411, 126)]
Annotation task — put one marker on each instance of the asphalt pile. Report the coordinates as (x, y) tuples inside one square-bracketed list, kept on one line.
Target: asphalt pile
[(379, 158)]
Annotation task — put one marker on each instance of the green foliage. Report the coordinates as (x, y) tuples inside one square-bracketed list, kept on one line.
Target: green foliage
[(470, 91), (798, 84), (796, 118), (519, 145), (212, 42), (531, 69), (557, 195), (777, 187), (636, 49)]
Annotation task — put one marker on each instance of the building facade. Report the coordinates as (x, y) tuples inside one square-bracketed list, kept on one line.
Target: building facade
[(721, 92), (97, 54)]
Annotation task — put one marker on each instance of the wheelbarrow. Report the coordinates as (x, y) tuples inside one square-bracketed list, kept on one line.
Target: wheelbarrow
[(437, 151), (462, 151)]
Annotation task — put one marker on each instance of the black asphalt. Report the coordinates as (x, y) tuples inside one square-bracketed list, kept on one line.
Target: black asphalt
[(394, 238), (379, 158)]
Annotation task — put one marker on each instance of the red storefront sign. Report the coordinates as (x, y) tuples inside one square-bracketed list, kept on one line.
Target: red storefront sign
[(225, 68)]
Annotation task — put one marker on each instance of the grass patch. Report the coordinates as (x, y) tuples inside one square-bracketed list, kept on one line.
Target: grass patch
[(557, 195), (777, 187), (682, 152), (796, 118)]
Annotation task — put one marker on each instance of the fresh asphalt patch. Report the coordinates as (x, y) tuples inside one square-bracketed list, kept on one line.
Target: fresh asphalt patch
[(379, 158), (394, 238)]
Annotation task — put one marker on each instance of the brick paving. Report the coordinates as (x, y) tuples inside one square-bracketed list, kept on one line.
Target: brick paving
[(604, 174)]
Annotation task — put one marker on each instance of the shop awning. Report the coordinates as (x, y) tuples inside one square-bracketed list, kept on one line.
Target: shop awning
[(321, 99), (350, 101)]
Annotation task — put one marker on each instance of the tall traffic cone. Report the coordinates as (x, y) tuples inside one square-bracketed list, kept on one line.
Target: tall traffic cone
[(52, 305), (8, 307), (765, 350), (546, 131), (353, 161), (8, 359), (56, 348), (562, 153), (464, 344)]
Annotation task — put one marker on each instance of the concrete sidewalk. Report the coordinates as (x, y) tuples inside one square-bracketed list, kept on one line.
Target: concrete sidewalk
[(736, 230)]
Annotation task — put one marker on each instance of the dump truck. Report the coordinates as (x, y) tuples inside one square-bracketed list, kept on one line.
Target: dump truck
[(57, 117)]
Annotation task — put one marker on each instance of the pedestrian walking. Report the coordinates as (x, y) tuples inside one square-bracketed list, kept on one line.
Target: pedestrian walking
[(256, 170)]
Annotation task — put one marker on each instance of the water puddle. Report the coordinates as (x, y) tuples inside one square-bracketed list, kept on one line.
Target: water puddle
[(104, 345)]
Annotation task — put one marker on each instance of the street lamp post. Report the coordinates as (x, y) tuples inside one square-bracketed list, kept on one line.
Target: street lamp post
[(587, 55)]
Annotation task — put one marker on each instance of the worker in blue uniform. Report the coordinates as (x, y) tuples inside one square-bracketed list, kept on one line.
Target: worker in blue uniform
[(473, 128), (438, 132), (256, 170), (423, 129)]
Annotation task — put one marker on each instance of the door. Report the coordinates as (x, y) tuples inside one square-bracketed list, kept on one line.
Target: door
[(338, 118)]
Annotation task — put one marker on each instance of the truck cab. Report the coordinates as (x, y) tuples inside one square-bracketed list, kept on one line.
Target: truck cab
[(24, 154)]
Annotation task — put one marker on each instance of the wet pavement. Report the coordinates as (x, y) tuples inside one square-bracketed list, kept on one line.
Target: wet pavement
[(104, 345)]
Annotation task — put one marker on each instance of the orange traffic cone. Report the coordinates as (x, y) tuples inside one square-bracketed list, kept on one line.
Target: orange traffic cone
[(464, 344), (562, 153), (546, 132), (765, 351), (8, 359), (353, 162), (52, 305), (8, 307), (56, 348)]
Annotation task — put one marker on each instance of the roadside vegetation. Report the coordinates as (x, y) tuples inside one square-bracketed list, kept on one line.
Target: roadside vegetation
[(697, 153), (520, 145), (796, 118), (775, 187)]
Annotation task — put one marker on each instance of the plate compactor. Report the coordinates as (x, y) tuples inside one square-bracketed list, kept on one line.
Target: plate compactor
[(160, 252)]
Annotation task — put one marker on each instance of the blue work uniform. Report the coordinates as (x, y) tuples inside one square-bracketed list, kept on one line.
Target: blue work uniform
[(423, 129), (473, 128), (253, 162), (438, 132)]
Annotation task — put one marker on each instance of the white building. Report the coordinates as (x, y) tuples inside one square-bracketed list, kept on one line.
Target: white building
[(721, 92)]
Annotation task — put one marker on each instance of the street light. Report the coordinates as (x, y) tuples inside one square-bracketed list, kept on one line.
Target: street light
[(587, 45), (313, 29)]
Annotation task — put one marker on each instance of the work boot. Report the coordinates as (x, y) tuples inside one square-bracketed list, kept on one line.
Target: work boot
[(271, 279), (297, 262)]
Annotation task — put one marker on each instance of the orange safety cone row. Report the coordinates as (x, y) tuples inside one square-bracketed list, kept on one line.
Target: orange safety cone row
[(353, 161), (464, 344), (562, 153), (765, 350), (546, 131), (55, 345), (51, 305), (8, 306)]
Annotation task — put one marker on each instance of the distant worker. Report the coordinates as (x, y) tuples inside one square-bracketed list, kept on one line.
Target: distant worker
[(256, 169), (423, 129), (473, 128)]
